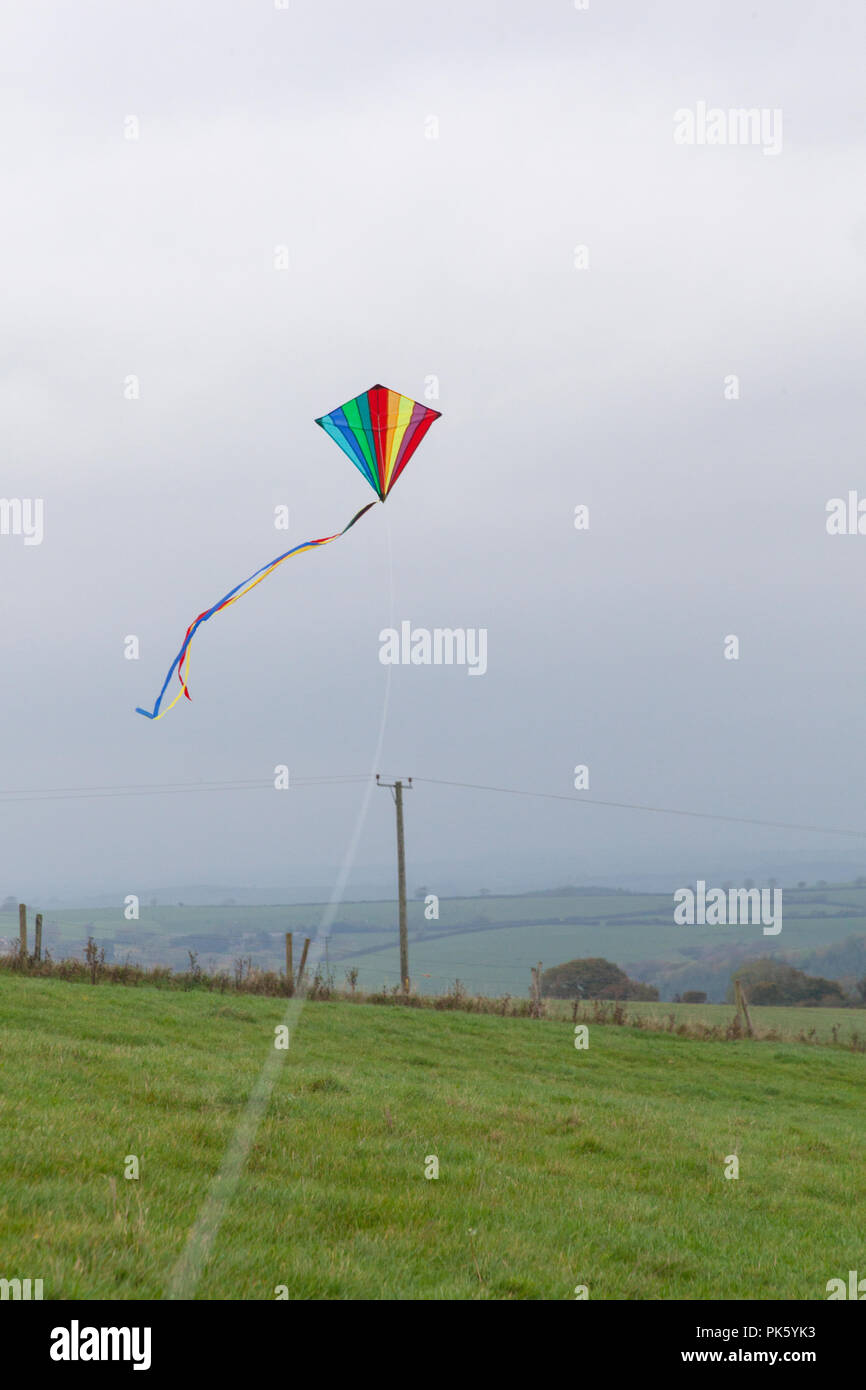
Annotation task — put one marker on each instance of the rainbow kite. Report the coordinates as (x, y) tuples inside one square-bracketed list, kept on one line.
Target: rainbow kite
[(380, 431)]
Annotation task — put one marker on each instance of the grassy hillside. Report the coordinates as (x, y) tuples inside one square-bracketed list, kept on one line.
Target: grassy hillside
[(557, 1167)]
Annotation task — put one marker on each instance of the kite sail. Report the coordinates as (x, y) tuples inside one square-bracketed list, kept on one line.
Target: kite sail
[(379, 431)]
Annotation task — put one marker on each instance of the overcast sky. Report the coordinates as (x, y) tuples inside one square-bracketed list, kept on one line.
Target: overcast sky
[(413, 257)]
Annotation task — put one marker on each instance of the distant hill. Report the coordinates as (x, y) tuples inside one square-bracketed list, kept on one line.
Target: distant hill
[(488, 941)]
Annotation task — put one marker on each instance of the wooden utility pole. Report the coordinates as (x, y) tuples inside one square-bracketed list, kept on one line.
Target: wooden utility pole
[(401, 889), (22, 929), (401, 879), (37, 950)]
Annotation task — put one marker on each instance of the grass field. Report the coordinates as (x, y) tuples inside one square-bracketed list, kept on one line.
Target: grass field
[(789, 1022), (499, 961), (558, 1167)]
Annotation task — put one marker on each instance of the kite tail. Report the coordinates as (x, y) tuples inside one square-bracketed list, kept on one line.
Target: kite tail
[(181, 661)]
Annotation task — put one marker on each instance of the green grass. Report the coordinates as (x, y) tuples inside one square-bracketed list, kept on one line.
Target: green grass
[(557, 1167)]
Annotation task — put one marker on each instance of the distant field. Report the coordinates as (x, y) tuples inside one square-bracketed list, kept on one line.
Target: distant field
[(171, 918), (789, 1022), (557, 1167), (499, 961), (489, 943)]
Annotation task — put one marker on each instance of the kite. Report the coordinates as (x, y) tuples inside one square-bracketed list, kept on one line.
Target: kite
[(379, 431)]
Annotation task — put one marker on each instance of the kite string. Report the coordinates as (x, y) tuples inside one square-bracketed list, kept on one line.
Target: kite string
[(181, 661), (190, 1267)]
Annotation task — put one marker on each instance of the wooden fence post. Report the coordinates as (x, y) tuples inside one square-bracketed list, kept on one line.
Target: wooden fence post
[(37, 950), (290, 973), (743, 1008), (303, 960), (22, 930), (535, 992)]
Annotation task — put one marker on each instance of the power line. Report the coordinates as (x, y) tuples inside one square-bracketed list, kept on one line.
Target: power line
[(260, 784), (165, 788), (634, 806)]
